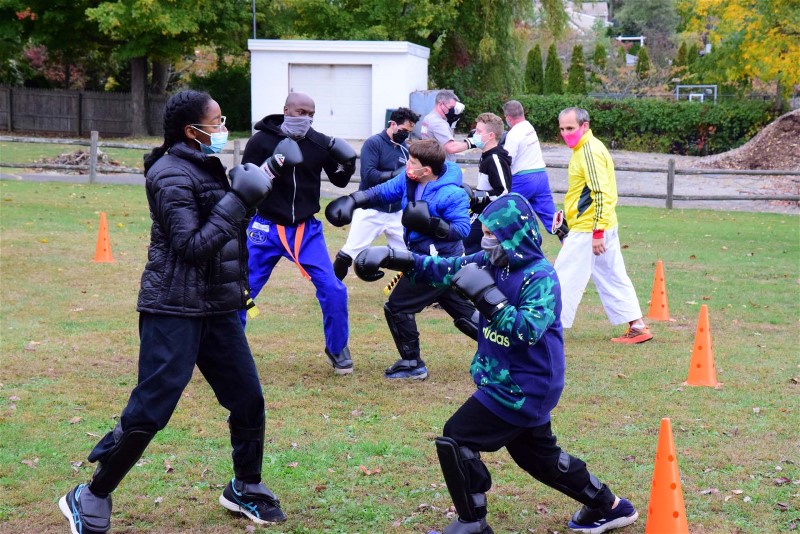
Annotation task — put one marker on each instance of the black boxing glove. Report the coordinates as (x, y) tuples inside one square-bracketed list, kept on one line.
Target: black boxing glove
[(341, 151), (340, 211), (417, 217), (371, 259), (250, 183), (286, 154), (478, 286), (478, 199)]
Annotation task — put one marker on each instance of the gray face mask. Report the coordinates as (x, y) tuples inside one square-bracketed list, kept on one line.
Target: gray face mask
[(296, 127), (497, 255)]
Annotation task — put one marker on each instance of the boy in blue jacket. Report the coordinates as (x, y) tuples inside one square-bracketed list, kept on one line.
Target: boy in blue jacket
[(435, 220), (518, 369)]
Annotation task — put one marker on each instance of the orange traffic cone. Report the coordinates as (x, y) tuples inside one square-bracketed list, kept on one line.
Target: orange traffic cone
[(659, 309), (102, 253), (667, 511), (702, 371)]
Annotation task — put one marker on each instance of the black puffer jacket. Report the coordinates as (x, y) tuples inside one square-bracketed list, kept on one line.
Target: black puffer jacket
[(197, 261)]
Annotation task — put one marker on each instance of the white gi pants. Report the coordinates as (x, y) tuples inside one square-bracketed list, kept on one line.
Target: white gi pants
[(368, 224), (576, 263)]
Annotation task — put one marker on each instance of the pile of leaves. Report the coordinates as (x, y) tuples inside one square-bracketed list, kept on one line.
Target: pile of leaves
[(776, 147), (80, 157)]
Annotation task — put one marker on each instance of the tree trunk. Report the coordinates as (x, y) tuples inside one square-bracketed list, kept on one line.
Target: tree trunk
[(160, 78), (139, 96)]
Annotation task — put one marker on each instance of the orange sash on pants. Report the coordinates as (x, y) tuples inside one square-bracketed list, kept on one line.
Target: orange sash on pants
[(298, 241)]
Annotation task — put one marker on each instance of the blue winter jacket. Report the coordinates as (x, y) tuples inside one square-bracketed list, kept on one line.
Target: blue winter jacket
[(519, 365), (446, 200)]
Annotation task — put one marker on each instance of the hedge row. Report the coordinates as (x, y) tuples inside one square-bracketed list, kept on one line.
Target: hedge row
[(645, 125)]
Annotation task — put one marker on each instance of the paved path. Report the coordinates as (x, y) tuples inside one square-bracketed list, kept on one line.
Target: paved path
[(628, 182)]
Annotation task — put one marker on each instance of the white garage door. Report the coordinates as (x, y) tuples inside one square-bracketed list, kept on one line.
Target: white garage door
[(342, 94)]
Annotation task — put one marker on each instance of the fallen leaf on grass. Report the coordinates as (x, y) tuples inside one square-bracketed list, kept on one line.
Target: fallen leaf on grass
[(13, 398), (250, 528), (541, 509), (782, 506), (691, 302), (203, 474), (621, 375), (737, 491), (292, 465), (780, 481), (75, 420), (32, 345), (706, 297), (708, 491), (92, 435), (320, 487), (168, 467), (357, 413), (159, 500), (369, 472), (31, 463)]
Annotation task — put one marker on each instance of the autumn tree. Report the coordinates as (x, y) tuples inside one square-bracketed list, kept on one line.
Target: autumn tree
[(534, 71), (553, 73), (576, 79), (749, 40), (657, 20)]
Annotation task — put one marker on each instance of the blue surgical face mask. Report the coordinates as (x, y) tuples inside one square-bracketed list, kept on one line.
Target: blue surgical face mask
[(218, 142), (497, 255), (477, 140)]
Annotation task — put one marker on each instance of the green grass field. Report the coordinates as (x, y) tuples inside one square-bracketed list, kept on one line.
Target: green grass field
[(355, 454)]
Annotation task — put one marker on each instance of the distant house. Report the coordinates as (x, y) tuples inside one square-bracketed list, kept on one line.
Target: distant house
[(584, 16)]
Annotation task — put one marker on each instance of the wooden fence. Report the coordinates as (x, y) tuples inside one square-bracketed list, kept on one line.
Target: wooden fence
[(669, 196), (73, 112)]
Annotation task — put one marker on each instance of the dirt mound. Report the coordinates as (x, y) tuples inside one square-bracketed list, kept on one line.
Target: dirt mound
[(776, 147)]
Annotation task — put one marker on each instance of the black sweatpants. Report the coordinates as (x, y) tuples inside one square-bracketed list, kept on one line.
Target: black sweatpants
[(169, 349), (409, 299), (533, 449)]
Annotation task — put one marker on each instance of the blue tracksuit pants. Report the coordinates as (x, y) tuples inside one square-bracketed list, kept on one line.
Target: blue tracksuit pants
[(310, 252), (535, 186)]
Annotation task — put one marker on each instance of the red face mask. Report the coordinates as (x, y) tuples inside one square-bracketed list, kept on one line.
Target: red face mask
[(572, 139), (410, 173)]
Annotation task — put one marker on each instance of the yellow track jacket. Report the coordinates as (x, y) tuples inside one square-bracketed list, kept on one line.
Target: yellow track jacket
[(591, 198)]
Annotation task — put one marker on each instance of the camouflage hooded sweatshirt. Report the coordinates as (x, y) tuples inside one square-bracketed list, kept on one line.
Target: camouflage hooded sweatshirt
[(519, 365)]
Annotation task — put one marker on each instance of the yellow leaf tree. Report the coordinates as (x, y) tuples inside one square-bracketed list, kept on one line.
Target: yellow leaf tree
[(750, 39)]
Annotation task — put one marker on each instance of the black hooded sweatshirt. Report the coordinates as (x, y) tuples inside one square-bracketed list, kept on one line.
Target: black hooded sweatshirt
[(295, 194)]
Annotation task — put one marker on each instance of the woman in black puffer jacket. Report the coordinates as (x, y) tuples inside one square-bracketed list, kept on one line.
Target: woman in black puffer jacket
[(192, 288)]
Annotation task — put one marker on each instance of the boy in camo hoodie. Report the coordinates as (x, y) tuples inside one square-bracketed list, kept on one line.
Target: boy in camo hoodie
[(518, 369)]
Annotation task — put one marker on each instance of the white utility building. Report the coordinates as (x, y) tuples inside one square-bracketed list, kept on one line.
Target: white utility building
[(353, 83)]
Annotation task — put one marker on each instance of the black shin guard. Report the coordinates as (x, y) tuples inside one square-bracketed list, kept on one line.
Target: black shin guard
[(467, 478), (114, 465), (570, 477), (248, 452), (469, 326), (405, 334)]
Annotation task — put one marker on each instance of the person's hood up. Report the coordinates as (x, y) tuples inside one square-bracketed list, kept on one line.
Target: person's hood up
[(271, 123), (512, 220)]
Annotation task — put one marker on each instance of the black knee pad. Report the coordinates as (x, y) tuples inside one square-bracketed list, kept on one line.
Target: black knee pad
[(404, 331), (466, 476)]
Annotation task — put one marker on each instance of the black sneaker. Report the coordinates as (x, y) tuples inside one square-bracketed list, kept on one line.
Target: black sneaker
[(473, 527), (254, 501), (406, 370), (86, 512), (341, 363), (595, 521)]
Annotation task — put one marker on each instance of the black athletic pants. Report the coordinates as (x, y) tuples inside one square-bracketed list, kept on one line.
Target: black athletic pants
[(533, 449), (170, 347)]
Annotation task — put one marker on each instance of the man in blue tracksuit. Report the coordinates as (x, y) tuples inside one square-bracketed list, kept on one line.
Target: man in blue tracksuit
[(436, 219), (518, 369), (285, 226)]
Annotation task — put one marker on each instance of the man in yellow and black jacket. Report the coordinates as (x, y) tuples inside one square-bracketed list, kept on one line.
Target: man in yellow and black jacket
[(591, 247)]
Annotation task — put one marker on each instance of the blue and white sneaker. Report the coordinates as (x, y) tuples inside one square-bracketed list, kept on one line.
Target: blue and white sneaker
[(86, 512), (255, 501), (406, 369), (595, 521)]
